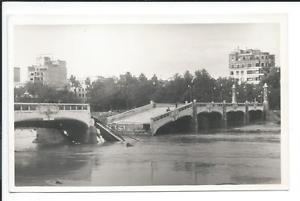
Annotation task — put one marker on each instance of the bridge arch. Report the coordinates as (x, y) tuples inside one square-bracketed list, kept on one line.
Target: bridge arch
[(181, 125), (74, 129), (255, 116), (209, 120), (235, 118)]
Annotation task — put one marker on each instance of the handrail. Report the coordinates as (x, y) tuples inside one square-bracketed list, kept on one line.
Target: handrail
[(179, 109), (124, 114), (50, 103), (60, 106)]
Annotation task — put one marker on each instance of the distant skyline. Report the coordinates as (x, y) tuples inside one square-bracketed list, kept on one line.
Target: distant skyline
[(161, 49)]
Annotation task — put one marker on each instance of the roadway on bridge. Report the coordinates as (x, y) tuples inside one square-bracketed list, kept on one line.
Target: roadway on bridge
[(145, 116)]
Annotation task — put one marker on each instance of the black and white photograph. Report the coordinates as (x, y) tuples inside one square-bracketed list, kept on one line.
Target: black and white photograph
[(147, 105)]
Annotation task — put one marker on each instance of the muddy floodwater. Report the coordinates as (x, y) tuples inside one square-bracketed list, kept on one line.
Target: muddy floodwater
[(189, 159)]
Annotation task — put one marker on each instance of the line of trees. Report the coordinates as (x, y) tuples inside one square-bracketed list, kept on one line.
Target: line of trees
[(128, 91)]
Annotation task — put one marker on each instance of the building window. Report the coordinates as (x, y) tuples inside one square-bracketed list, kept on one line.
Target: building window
[(237, 72), (252, 71), (231, 72), (262, 64), (242, 72), (249, 65), (257, 64)]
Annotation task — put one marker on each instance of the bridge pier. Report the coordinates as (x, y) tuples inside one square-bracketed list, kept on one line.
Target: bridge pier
[(246, 114), (265, 103), (195, 118), (224, 115)]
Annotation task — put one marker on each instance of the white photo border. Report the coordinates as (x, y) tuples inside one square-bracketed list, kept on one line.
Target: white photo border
[(132, 15)]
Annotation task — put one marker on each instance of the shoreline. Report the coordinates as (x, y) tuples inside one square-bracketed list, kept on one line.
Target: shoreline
[(257, 128)]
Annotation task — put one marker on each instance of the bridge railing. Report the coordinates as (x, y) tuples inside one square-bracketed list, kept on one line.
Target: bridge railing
[(133, 111), (170, 113), (202, 104), (255, 104), (60, 106)]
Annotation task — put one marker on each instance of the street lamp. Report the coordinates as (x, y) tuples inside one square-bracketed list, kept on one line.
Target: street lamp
[(190, 87), (245, 92), (213, 93), (190, 93), (221, 92)]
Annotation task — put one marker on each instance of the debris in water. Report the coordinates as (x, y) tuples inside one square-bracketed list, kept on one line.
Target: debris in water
[(58, 182), (129, 145)]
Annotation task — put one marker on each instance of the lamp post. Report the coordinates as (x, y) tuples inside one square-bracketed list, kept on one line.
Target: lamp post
[(233, 93), (265, 93), (190, 87), (245, 92), (190, 93), (221, 92), (213, 93)]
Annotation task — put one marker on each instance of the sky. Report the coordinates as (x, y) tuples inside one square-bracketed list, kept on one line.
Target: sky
[(161, 49)]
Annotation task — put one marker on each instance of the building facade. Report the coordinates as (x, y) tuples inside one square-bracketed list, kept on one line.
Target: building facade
[(80, 90), (48, 71), (250, 65)]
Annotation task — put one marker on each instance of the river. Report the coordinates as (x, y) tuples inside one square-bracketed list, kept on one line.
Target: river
[(189, 159)]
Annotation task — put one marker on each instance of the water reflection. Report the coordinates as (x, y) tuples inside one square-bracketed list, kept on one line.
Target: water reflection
[(219, 158)]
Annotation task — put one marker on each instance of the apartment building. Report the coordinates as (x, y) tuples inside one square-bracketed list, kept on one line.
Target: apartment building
[(250, 65)]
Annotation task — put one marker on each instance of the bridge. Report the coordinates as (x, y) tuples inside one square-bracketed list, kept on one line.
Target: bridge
[(157, 118), (74, 120)]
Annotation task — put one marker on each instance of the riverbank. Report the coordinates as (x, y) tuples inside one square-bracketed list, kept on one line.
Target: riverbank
[(258, 128)]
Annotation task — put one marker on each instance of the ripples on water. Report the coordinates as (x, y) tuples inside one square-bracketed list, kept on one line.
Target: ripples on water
[(219, 158)]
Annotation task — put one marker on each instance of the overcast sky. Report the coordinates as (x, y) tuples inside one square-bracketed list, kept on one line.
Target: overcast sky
[(110, 50)]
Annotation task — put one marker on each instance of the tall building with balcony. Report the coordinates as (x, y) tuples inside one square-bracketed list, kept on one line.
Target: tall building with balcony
[(250, 65), (48, 71)]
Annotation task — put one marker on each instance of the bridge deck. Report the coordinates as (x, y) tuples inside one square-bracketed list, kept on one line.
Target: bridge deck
[(145, 116)]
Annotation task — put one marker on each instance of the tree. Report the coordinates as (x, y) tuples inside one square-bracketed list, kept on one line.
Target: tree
[(273, 81), (74, 83), (204, 86), (41, 93), (87, 82)]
